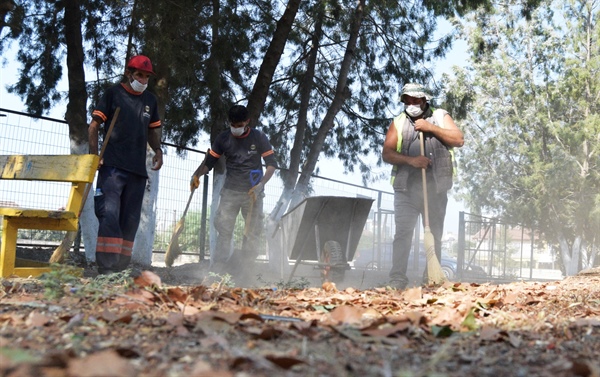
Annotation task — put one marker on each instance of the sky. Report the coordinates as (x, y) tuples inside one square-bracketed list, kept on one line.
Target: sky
[(327, 167)]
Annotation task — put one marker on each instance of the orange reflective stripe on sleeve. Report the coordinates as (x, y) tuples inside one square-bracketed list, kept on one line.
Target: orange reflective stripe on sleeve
[(99, 114)]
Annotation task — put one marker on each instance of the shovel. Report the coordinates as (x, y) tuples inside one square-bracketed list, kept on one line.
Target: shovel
[(435, 273)]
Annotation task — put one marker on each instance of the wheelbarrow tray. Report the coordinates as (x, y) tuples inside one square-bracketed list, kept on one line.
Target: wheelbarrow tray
[(319, 219)]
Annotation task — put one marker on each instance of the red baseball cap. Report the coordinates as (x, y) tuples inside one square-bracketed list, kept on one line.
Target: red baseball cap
[(141, 63)]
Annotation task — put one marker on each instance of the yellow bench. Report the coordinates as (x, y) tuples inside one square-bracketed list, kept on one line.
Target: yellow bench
[(77, 169)]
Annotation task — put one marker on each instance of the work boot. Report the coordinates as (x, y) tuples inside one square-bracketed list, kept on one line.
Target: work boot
[(398, 284), (123, 263), (105, 271)]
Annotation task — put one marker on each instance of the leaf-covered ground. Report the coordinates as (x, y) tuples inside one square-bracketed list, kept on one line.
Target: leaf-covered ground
[(157, 326)]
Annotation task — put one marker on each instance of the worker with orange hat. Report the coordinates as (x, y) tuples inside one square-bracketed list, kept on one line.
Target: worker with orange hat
[(122, 173)]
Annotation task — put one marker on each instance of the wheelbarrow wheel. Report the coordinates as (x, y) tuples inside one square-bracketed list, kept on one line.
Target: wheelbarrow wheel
[(333, 260)]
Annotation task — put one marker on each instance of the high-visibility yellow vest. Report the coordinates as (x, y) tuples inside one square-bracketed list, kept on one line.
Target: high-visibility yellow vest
[(399, 122)]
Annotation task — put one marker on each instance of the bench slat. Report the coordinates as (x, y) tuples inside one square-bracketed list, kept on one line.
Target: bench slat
[(62, 168), (29, 212)]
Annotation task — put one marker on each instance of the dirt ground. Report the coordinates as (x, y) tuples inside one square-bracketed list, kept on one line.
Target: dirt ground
[(184, 321)]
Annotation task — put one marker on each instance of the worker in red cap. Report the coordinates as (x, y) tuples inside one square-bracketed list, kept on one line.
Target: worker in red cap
[(122, 172)]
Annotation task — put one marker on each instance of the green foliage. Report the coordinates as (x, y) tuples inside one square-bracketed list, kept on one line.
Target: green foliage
[(224, 280), (41, 235), (42, 46), (205, 57), (469, 321), (391, 50), (18, 356), (530, 116), (190, 237), (56, 281), (66, 280), (441, 331)]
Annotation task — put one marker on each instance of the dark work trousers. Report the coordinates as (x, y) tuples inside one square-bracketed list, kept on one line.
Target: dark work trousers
[(118, 209), (230, 204), (407, 207)]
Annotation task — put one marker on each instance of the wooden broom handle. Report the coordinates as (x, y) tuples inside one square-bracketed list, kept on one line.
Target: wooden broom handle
[(110, 129), (424, 173), (104, 144)]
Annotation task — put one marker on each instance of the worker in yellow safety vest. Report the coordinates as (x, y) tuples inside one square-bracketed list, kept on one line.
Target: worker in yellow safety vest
[(402, 149)]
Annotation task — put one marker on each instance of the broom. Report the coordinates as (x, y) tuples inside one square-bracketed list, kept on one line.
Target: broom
[(61, 251), (173, 250), (434, 269)]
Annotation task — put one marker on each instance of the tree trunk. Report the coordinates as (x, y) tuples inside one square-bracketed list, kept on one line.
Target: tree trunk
[(218, 115), (143, 246), (291, 197), (305, 91), (289, 178), (5, 7), (257, 99), (341, 94), (76, 115), (570, 255)]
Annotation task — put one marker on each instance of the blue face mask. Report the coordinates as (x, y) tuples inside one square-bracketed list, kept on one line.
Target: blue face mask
[(237, 131)]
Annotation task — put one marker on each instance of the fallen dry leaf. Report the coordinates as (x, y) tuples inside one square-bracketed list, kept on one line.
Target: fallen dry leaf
[(36, 319), (329, 286), (524, 328), (347, 314), (148, 279), (284, 362), (101, 364)]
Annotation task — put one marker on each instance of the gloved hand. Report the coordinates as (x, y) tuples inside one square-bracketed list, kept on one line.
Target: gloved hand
[(194, 183), (257, 190)]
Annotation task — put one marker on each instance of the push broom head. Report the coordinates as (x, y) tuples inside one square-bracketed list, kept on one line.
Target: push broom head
[(434, 269), (173, 251)]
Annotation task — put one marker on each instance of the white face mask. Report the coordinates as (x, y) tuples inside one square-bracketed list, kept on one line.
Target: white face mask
[(414, 110), (138, 86), (237, 131)]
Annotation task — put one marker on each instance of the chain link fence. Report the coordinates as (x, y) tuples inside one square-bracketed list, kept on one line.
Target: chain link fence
[(25, 134), (504, 252)]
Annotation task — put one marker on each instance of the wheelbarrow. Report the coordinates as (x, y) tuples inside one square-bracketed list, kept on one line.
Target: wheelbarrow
[(324, 231)]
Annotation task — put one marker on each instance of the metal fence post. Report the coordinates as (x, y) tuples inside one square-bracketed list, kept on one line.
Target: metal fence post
[(460, 257), (203, 219)]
